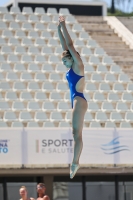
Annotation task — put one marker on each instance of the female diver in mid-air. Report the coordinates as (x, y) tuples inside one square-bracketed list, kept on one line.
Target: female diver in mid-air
[(75, 76)]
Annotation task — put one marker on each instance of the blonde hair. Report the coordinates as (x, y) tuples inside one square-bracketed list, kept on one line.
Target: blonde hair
[(23, 187)]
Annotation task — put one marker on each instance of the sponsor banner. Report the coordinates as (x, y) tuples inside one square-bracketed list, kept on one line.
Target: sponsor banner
[(49, 146)]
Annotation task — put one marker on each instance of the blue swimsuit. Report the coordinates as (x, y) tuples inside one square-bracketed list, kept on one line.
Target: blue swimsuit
[(72, 79)]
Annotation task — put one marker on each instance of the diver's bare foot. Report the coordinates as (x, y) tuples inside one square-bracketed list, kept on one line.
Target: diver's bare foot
[(73, 169)]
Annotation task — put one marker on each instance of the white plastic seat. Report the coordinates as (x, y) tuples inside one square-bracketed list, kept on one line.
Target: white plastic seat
[(61, 87), (131, 107), (11, 77), (4, 86), (123, 78), (47, 51), (51, 11), (12, 59), (33, 19), (96, 78), (18, 67), (99, 52), (78, 43), (121, 107), (67, 96), (25, 116), (72, 34), (15, 10), (130, 87), (51, 27), (125, 125), (45, 35), (90, 87), (54, 77), (19, 50), (26, 42), (48, 124), (17, 124), (55, 18), (25, 77), (93, 60), (116, 117), (101, 117), (7, 34), (32, 124), (104, 87), (33, 35), (20, 18), (8, 18), (14, 26), (95, 125), (89, 69), (2, 78), (88, 117), (91, 44), (19, 86), (93, 107), (56, 117), (13, 42), (39, 27), (19, 34), (39, 59), (98, 97), (68, 116), (26, 59), (3, 124), (127, 97), (45, 19), (39, 42), (115, 69), (55, 97), (39, 11), (107, 60), (18, 106), (41, 116), (3, 25), (32, 68), (84, 36), (110, 125), (26, 26), (109, 78), (129, 116), (102, 69), (11, 96), (5, 50), (58, 51), (85, 51), (46, 68), (64, 11), (48, 106), (47, 87), (87, 96), (53, 59), (118, 87), (9, 116), (4, 105), (26, 96), (64, 124), (1, 97), (60, 69), (2, 59), (3, 10), (77, 28), (40, 96), (27, 11), (33, 106), (107, 107), (113, 97), (63, 106), (52, 42), (33, 87), (40, 77), (2, 42), (33, 51), (70, 20), (5, 67)]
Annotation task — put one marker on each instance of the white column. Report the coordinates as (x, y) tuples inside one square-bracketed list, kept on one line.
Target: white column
[(15, 3)]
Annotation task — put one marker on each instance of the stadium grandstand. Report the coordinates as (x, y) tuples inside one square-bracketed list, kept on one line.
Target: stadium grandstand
[(35, 109)]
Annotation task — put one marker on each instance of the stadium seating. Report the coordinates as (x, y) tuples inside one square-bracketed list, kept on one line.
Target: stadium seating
[(33, 88)]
